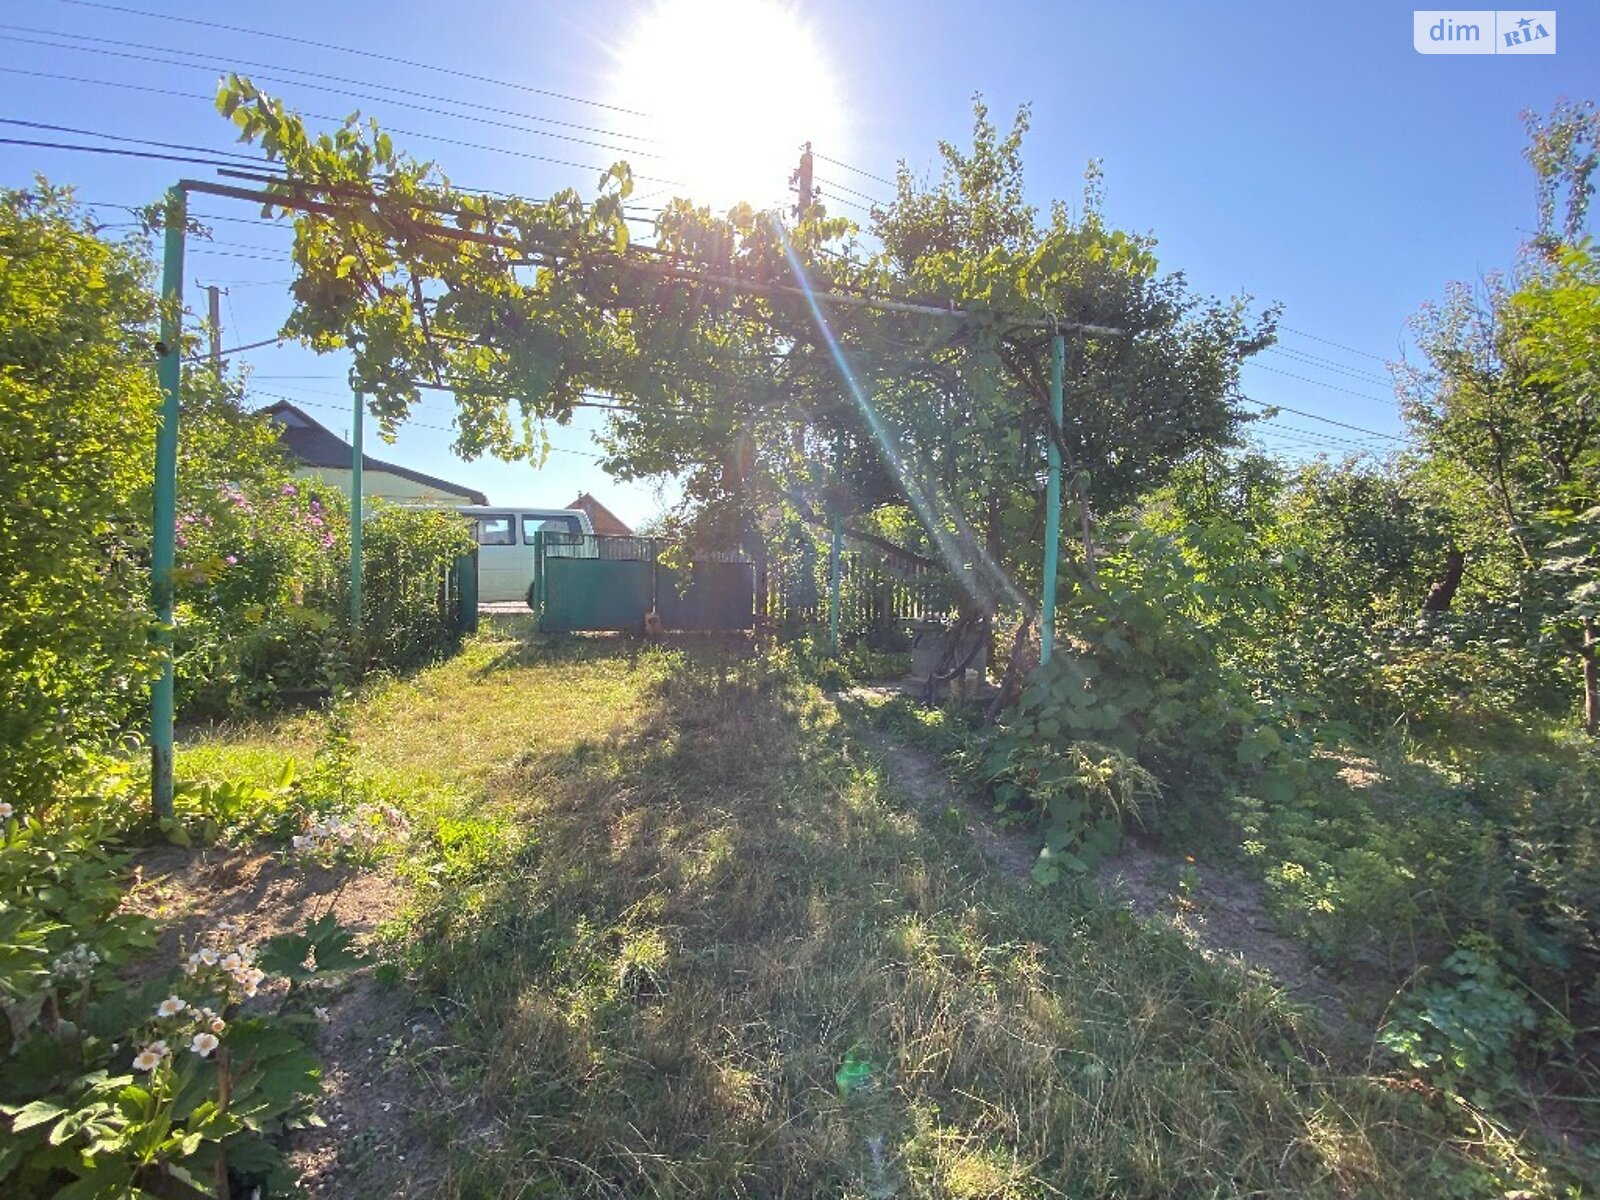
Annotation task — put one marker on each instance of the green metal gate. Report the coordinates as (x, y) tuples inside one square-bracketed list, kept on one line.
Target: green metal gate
[(591, 583)]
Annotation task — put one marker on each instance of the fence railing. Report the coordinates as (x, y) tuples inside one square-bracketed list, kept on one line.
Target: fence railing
[(878, 589), (875, 589)]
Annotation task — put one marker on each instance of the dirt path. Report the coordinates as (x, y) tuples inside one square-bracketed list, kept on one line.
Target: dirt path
[(1222, 914)]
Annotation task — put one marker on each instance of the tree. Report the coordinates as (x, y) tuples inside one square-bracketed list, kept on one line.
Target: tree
[(1506, 406), (721, 364), (1557, 318), (78, 407)]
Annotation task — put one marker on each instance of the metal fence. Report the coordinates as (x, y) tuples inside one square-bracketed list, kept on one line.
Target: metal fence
[(876, 589), (593, 582), (599, 582)]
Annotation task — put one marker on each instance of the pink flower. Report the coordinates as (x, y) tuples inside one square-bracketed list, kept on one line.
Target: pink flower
[(233, 560), (290, 490)]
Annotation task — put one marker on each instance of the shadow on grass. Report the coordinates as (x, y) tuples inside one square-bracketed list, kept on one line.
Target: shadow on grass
[(714, 909)]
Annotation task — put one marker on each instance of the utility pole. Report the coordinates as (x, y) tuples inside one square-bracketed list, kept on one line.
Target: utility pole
[(801, 182), (214, 308)]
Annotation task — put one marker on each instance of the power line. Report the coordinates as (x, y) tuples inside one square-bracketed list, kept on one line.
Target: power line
[(852, 191), (272, 341), (1314, 435), (1325, 364), (851, 204), (1328, 342), (251, 159), (405, 62), (388, 87), (203, 249), (1300, 412), (393, 129), (1319, 383), (345, 410), (318, 87), (244, 283), (116, 151), (868, 174)]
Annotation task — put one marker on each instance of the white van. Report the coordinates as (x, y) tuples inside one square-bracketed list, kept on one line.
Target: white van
[(505, 544)]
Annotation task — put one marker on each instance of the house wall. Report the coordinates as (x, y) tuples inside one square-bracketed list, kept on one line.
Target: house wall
[(380, 485)]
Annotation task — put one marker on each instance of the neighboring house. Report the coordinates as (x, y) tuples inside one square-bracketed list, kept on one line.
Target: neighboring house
[(319, 453), (605, 522)]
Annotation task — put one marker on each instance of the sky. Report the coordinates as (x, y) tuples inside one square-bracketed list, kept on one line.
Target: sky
[(1303, 154)]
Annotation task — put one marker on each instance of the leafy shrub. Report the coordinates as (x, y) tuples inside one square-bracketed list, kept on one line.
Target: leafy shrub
[(1136, 702), (1463, 1029), (407, 611), (77, 419), (1079, 795), (257, 589), (264, 594), (110, 1091)]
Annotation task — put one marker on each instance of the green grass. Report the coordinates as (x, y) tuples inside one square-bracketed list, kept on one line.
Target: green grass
[(662, 897)]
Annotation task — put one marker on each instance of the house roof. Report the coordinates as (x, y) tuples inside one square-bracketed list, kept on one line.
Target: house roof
[(313, 444), (602, 518)]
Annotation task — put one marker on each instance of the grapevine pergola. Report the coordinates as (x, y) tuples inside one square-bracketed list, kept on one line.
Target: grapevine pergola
[(743, 352), (169, 361)]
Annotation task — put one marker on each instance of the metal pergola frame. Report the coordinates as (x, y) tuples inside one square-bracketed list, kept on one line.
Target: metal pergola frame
[(169, 372)]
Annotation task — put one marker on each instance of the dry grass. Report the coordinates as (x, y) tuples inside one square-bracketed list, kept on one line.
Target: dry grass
[(667, 896)]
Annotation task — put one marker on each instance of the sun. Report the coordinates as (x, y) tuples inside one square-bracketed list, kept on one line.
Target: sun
[(730, 90)]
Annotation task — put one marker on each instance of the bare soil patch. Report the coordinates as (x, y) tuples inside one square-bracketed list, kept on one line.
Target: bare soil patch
[(374, 1043), (1222, 914)]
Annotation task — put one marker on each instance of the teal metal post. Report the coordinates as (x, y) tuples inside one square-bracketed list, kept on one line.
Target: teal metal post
[(467, 593), (1052, 502), (164, 515), (836, 570), (358, 419), (536, 597)]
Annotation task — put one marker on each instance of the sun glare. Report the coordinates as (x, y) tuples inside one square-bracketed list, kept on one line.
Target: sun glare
[(732, 88)]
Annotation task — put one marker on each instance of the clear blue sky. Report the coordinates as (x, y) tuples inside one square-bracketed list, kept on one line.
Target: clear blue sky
[(1303, 153)]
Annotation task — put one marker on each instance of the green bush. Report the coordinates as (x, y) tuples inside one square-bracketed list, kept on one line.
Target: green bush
[(264, 594), (77, 420), (257, 589), (407, 612), (1464, 1028), (111, 1091)]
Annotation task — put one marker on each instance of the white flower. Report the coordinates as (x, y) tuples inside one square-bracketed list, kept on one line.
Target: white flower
[(205, 957), (6, 811), (150, 1056), (77, 963), (232, 962), (171, 1007), (321, 1014), (204, 1044), (218, 1024)]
